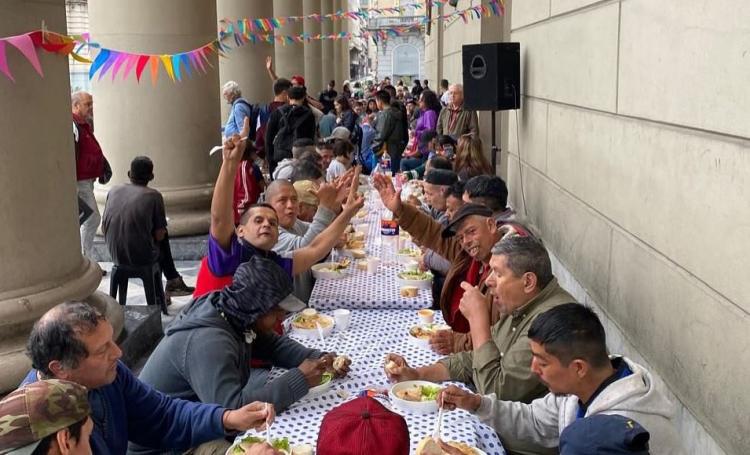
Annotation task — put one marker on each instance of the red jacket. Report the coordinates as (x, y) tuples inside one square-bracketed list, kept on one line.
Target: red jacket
[(89, 156), (246, 189)]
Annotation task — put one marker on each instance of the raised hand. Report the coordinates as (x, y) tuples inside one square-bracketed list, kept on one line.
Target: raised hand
[(234, 147), (327, 194), (474, 306), (269, 63), (391, 199)]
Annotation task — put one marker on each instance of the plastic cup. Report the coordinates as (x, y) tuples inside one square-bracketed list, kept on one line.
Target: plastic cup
[(342, 318), (372, 265)]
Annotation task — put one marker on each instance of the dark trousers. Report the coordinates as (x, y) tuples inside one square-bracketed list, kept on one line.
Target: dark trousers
[(165, 259)]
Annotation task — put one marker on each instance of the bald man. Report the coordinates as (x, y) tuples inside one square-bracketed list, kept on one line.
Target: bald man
[(455, 120), (295, 233)]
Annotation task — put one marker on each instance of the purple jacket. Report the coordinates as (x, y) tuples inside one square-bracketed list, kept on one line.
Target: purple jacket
[(426, 121)]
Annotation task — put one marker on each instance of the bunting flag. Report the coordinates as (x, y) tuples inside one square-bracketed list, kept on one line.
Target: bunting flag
[(238, 32)]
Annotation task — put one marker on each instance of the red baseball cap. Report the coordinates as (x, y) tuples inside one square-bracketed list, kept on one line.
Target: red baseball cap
[(299, 79), (362, 426)]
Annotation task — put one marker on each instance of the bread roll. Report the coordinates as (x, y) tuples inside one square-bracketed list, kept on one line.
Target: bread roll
[(409, 291), (428, 446)]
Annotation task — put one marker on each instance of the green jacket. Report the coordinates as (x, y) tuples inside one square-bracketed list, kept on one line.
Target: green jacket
[(503, 366), (466, 123), (390, 132)]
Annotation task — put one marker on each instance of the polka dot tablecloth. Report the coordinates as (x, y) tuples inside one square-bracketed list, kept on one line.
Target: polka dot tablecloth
[(371, 335), (360, 290)]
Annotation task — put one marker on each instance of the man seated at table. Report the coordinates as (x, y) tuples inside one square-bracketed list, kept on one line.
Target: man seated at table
[(522, 286), (257, 233), (490, 191), (48, 417), (295, 233), (73, 342), (205, 354), (570, 356), (466, 242)]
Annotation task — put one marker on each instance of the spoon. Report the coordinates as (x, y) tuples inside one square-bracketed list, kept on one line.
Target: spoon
[(268, 429), (438, 424), (320, 334)]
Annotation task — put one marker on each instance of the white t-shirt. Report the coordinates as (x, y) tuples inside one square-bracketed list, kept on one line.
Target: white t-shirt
[(335, 169)]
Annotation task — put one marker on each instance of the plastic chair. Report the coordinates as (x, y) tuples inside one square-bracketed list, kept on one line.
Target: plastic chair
[(150, 275)]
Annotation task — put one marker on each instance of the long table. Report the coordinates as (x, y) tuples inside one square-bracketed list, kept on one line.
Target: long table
[(371, 335), (362, 291), (379, 325)]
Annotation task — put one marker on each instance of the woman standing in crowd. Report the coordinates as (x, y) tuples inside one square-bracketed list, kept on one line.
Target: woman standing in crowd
[(346, 116), (470, 160)]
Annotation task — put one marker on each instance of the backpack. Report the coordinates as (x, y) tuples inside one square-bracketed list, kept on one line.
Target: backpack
[(282, 143)]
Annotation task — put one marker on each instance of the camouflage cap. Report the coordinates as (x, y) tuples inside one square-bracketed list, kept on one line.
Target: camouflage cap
[(38, 410)]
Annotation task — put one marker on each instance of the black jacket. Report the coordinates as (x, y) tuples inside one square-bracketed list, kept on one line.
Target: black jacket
[(302, 122), (392, 131)]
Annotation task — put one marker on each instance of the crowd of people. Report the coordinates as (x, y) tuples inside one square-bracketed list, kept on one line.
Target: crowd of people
[(536, 360)]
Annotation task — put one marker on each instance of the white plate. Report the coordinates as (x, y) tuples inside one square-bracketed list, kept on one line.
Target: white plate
[(319, 390), (413, 407), (421, 284), (312, 334), (424, 343), (327, 275)]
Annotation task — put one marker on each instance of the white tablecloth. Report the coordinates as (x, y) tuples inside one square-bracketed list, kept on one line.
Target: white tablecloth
[(360, 290), (371, 335)]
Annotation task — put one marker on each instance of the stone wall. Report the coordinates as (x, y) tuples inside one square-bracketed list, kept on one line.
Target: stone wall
[(634, 139), (634, 142)]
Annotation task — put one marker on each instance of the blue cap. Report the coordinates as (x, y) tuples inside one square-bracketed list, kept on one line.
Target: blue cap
[(604, 433)]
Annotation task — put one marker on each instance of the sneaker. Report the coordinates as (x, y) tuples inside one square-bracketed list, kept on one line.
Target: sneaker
[(178, 288)]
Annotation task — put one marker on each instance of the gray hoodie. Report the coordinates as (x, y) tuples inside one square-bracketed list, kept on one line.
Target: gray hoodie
[(635, 396), (203, 358)]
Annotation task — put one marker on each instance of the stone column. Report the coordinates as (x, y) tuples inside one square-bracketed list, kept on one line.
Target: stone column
[(174, 123), (343, 44), (336, 44), (40, 246), (313, 49), (290, 58), (326, 28), (247, 64)]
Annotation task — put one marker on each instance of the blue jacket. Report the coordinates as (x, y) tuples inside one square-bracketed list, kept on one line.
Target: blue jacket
[(128, 409), (240, 109)]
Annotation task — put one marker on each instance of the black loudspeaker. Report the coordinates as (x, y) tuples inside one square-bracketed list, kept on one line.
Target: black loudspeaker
[(492, 80)]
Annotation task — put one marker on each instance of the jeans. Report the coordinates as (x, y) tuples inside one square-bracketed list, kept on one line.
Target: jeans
[(409, 164), (89, 227)]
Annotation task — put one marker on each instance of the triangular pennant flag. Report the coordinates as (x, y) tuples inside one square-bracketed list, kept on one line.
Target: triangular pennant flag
[(4, 62), (153, 62), (132, 59), (121, 58), (98, 62), (142, 62), (185, 59), (176, 60), (24, 44), (167, 61), (108, 64)]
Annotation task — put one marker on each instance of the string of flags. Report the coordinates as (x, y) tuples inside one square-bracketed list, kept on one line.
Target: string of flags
[(238, 32)]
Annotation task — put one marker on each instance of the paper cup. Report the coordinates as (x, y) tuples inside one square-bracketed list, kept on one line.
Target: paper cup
[(342, 318)]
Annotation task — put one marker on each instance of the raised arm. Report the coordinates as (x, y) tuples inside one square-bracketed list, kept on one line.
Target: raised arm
[(269, 69), (222, 210), (306, 257)]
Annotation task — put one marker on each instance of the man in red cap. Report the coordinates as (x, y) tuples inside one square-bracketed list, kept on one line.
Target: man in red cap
[(362, 426)]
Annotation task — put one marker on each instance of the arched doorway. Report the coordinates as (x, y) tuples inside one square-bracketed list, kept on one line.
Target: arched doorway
[(405, 62)]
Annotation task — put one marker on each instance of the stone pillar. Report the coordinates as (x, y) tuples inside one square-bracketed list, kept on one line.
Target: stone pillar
[(290, 58), (326, 28), (174, 123), (40, 246), (247, 64), (336, 44), (343, 44), (313, 49)]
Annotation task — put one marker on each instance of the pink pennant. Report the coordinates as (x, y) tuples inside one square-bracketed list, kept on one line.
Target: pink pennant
[(132, 59), (121, 58), (4, 62), (24, 44)]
